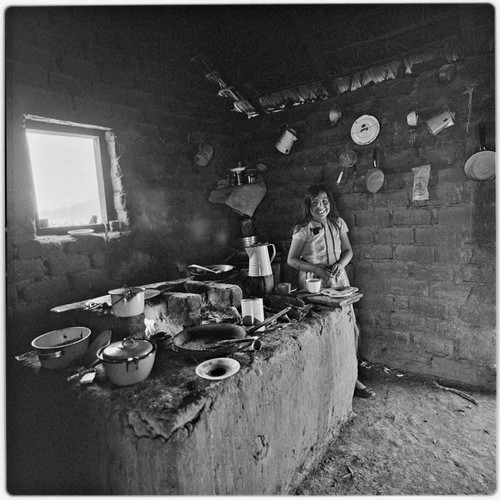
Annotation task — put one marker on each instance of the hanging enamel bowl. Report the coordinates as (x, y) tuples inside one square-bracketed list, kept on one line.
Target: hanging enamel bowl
[(365, 130)]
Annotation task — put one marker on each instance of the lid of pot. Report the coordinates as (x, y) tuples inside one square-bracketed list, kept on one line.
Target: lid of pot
[(127, 348)]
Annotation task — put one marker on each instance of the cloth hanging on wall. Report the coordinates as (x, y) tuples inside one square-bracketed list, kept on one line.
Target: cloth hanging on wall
[(244, 198)]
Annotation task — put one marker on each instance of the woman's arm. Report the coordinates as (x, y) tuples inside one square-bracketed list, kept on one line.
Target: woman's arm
[(345, 255), (294, 261)]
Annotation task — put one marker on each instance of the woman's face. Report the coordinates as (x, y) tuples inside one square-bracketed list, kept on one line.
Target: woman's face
[(320, 207)]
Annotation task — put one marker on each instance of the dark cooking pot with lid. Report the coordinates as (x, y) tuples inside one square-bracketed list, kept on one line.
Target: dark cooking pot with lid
[(194, 342)]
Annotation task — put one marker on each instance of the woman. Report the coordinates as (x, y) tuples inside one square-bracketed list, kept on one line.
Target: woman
[(321, 248)]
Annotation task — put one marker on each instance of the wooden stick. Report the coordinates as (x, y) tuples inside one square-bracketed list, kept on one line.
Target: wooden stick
[(460, 393)]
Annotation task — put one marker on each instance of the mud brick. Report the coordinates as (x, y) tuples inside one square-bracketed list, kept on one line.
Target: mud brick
[(378, 252), (433, 272), (414, 253), (26, 269), (184, 308), (55, 289), (68, 264), (409, 287), (411, 217), (40, 247), (428, 342), (222, 296), (395, 235)]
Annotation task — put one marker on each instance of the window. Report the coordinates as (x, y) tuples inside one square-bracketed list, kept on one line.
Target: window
[(71, 175)]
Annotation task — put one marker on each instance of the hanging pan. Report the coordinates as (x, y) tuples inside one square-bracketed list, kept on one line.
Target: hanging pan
[(481, 165), (374, 178)]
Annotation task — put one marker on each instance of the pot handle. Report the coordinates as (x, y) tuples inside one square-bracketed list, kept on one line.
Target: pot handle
[(375, 160), (50, 355), (273, 253)]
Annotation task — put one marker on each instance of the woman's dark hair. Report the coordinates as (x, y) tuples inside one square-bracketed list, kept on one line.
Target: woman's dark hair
[(311, 193)]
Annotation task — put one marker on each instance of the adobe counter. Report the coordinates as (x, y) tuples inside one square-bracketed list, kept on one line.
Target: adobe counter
[(254, 433)]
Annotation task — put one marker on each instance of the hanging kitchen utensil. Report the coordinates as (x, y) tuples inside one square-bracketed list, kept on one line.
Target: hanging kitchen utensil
[(447, 73), (438, 123), (374, 178), (365, 130), (348, 159), (204, 155), (285, 142), (481, 165), (334, 114)]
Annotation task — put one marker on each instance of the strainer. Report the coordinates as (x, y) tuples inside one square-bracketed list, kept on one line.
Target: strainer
[(348, 159)]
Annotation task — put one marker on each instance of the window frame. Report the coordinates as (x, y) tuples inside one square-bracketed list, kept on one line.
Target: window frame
[(103, 165)]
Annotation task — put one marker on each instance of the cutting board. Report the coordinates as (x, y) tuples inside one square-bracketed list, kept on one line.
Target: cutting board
[(332, 302)]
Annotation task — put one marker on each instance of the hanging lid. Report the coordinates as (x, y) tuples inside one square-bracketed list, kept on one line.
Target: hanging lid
[(365, 130), (126, 349)]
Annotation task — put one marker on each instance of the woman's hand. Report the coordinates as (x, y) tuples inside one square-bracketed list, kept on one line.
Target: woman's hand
[(337, 269), (322, 271)]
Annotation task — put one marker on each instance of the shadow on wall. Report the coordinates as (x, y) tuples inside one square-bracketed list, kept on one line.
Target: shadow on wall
[(146, 257)]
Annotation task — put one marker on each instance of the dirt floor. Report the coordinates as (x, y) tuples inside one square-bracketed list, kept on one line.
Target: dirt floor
[(412, 438)]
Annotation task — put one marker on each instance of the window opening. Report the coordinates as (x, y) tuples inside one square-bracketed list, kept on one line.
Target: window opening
[(70, 165)]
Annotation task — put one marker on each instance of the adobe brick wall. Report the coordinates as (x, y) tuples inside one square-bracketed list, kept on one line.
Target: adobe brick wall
[(427, 270), (82, 65)]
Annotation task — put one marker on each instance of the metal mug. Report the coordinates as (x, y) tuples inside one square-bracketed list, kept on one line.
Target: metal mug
[(440, 122), (285, 142)]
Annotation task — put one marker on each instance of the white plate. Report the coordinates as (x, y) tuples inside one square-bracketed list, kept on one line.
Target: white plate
[(217, 368), (365, 130), (340, 292), (79, 232)]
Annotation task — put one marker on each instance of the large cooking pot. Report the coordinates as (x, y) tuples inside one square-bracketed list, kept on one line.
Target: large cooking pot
[(481, 165), (191, 341), (222, 272), (127, 302), (128, 361), (60, 348)]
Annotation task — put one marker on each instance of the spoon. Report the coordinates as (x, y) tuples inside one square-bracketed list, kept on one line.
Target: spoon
[(215, 271)]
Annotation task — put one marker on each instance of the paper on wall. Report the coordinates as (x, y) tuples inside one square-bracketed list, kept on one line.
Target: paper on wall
[(420, 182)]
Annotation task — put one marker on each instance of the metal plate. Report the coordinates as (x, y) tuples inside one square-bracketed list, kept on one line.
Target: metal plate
[(365, 130)]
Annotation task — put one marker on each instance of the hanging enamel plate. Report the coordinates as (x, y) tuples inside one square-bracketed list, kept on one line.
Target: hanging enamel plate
[(365, 130)]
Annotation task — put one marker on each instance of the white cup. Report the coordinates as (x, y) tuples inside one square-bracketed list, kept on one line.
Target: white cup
[(258, 312), (313, 285), (252, 312), (247, 312)]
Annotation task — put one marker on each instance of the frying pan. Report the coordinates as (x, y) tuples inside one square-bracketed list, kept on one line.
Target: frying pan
[(374, 178), (481, 165), (190, 342), (222, 272), (196, 336)]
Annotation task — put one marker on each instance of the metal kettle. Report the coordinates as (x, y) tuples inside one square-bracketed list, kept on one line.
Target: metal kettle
[(260, 259)]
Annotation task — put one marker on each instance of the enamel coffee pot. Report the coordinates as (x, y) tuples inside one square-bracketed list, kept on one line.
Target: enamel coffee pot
[(260, 259)]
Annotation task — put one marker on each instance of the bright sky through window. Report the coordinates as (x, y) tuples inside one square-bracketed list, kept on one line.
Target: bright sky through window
[(64, 172)]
